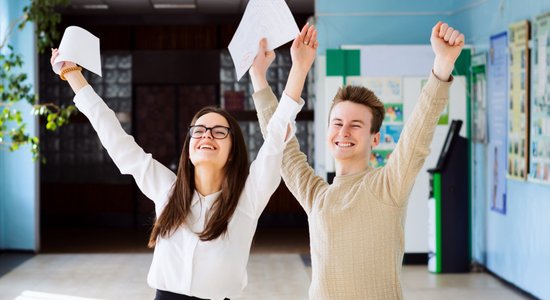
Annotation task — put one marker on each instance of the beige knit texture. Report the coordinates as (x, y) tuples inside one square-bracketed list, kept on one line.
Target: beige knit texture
[(356, 224)]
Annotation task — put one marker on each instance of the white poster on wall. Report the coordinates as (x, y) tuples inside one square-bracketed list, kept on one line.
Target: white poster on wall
[(395, 60), (390, 91), (416, 232)]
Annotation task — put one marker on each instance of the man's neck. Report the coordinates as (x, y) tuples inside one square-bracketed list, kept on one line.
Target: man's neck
[(350, 167)]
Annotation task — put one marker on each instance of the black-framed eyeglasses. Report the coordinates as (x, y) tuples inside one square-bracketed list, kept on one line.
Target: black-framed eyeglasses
[(218, 132)]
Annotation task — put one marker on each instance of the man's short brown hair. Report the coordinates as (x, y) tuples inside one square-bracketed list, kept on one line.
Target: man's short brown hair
[(362, 95)]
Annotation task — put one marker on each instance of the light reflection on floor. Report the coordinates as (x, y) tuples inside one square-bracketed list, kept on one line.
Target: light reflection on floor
[(33, 295)]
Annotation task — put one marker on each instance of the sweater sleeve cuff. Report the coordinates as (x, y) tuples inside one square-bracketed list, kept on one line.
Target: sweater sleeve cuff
[(437, 87), (86, 98)]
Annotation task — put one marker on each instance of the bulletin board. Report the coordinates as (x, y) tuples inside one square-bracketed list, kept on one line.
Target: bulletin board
[(497, 89), (539, 170), (389, 91), (518, 111)]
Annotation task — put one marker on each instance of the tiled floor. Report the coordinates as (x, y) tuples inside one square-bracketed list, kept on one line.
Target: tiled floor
[(276, 271)]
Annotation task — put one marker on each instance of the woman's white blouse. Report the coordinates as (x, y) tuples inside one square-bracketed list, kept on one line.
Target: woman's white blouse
[(182, 263)]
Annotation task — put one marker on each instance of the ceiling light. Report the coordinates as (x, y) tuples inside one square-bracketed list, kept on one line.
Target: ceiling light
[(174, 6), (95, 6)]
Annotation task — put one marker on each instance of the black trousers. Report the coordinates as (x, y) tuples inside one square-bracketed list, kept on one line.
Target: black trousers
[(164, 295)]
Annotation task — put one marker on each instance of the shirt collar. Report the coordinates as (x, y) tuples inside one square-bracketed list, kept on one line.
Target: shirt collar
[(208, 199)]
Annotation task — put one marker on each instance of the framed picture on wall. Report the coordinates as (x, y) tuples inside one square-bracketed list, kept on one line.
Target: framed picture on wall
[(497, 117), (539, 170), (518, 112)]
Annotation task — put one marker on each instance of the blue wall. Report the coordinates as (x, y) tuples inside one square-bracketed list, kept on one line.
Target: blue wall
[(18, 173), (365, 22), (515, 246), (488, 17)]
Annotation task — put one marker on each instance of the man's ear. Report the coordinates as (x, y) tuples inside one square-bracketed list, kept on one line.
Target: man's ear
[(375, 140)]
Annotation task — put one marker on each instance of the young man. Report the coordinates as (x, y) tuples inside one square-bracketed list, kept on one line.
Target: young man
[(356, 224)]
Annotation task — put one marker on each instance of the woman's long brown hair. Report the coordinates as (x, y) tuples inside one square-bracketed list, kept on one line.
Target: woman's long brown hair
[(178, 207)]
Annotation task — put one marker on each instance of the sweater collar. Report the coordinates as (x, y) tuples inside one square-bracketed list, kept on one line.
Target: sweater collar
[(350, 177)]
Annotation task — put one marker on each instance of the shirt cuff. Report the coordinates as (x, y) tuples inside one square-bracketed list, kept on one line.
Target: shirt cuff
[(285, 116), (86, 98), (289, 108), (437, 87)]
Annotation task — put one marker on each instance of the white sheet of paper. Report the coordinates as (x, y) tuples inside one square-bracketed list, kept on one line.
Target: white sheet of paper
[(271, 19), (81, 47)]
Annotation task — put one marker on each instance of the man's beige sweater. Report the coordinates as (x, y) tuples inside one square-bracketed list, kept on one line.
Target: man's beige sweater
[(356, 224)]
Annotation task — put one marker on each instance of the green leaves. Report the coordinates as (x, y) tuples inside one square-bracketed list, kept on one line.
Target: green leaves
[(17, 136), (46, 18), (15, 88), (56, 116), (51, 126)]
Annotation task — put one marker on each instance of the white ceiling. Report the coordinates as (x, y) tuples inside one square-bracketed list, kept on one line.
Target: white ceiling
[(200, 6)]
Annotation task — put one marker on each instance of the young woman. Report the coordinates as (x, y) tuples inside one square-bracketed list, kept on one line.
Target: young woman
[(206, 213)]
